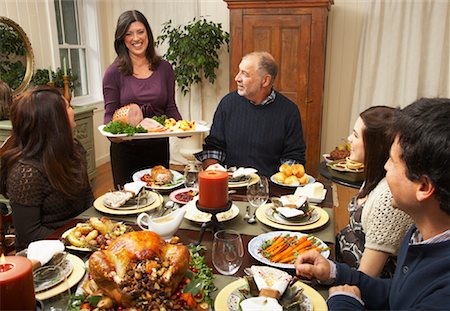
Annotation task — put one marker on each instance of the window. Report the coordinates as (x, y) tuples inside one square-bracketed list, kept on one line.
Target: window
[(77, 29)]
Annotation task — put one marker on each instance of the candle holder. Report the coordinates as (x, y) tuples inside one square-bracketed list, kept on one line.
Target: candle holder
[(213, 223), (67, 94), (51, 84)]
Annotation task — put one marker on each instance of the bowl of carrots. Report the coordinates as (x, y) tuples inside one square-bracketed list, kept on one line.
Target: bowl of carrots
[(281, 248)]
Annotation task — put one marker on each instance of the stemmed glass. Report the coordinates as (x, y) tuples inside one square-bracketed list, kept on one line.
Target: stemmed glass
[(191, 174), (227, 252), (258, 193)]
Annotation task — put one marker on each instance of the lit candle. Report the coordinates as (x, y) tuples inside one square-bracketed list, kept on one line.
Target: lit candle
[(16, 284), (65, 66), (50, 79), (213, 189)]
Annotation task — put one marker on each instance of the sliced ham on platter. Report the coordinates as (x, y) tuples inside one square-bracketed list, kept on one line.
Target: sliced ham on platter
[(152, 125), (131, 114)]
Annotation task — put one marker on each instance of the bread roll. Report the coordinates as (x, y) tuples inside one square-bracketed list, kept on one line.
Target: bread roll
[(303, 180), (291, 181), (298, 170), (279, 177)]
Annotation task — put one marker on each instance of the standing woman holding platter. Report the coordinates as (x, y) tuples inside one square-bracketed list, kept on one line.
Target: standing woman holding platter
[(138, 75)]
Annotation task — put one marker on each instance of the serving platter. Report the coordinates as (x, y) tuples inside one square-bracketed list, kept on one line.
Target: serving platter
[(310, 181), (98, 205), (221, 301), (195, 215), (261, 216), (199, 128), (73, 279), (255, 245), (177, 180)]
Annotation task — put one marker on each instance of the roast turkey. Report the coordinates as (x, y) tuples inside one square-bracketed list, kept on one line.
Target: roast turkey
[(129, 114), (137, 263), (161, 175)]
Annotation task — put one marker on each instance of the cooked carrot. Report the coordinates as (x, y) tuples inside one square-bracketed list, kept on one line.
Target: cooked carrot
[(276, 241), (303, 245), (288, 259)]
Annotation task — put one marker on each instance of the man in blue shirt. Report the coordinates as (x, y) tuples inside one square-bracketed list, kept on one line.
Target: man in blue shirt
[(255, 126), (418, 174)]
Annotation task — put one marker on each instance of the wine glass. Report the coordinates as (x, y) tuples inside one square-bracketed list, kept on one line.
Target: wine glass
[(191, 174), (258, 193), (227, 252)]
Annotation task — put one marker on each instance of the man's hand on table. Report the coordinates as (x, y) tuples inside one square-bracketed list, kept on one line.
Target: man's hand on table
[(312, 265)]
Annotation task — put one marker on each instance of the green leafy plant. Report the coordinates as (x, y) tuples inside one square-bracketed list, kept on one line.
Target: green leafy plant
[(12, 53), (193, 50), (40, 77)]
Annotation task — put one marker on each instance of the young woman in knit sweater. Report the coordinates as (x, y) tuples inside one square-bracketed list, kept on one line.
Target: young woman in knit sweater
[(371, 239), (43, 168)]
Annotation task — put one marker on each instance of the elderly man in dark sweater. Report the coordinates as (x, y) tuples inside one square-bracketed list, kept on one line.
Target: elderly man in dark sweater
[(419, 178), (255, 126)]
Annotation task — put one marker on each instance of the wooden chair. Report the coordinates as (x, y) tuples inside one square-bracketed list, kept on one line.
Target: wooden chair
[(7, 240)]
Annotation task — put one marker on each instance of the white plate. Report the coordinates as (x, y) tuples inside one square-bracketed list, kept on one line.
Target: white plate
[(173, 194), (255, 245), (98, 205), (276, 217), (146, 200), (254, 179), (193, 214), (43, 272), (199, 128), (76, 275), (310, 181), (176, 177), (326, 157)]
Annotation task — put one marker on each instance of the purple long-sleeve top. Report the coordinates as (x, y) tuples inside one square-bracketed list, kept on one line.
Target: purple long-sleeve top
[(155, 94)]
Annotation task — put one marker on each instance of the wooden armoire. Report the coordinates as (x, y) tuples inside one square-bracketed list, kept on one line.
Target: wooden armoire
[(295, 33)]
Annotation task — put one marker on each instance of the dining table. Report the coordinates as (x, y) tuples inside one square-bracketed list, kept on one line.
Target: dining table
[(189, 231)]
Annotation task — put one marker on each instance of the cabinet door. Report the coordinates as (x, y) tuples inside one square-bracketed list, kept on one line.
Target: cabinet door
[(296, 39)]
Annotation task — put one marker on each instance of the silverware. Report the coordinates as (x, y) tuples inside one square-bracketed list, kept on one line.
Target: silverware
[(252, 219), (247, 213)]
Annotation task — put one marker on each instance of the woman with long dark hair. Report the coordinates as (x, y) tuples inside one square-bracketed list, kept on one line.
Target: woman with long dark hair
[(138, 75), (371, 239), (43, 168)]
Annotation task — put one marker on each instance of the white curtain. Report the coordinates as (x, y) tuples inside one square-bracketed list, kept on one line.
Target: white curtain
[(404, 54)]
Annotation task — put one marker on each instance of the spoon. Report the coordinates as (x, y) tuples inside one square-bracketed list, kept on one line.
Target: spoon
[(169, 205), (247, 213), (252, 219)]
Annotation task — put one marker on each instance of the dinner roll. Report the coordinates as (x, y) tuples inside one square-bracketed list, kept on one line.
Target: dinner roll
[(291, 181), (279, 177), (286, 169), (298, 170), (303, 180)]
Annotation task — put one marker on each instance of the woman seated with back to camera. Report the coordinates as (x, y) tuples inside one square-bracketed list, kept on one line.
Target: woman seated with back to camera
[(43, 168), (372, 238)]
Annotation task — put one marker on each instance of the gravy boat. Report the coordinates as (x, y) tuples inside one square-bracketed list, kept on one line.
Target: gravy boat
[(165, 226)]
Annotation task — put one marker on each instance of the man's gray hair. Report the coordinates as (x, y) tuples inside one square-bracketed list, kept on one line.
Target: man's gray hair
[(266, 63)]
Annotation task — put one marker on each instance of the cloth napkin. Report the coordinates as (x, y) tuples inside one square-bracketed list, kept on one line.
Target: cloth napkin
[(216, 167), (314, 190), (244, 171), (271, 278), (134, 186), (44, 250), (260, 304), (293, 200)]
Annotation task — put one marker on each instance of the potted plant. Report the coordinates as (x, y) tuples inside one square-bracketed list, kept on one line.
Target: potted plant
[(41, 77), (193, 51)]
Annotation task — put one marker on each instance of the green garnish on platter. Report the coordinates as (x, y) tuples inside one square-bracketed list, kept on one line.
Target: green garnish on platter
[(118, 127), (203, 276), (161, 119)]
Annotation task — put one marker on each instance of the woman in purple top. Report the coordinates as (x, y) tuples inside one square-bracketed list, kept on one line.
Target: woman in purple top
[(140, 76)]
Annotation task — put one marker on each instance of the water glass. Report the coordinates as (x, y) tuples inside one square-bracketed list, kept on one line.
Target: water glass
[(191, 174), (258, 193), (227, 252)]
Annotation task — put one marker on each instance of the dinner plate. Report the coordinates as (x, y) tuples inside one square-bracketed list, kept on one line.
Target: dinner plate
[(193, 214), (173, 194), (221, 301), (145, 199), (46, 277), (76, 275), (235, 298), (98, 205), (255, 245), (254, 179), (274, 216), (310, 181), (177, 180), (199, 128), (261, 216)]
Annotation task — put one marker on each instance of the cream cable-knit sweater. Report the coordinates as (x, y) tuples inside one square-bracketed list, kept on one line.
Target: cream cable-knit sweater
[(383, 225)]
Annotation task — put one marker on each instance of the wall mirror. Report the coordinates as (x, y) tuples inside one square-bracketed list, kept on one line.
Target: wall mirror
[(16, 56)]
